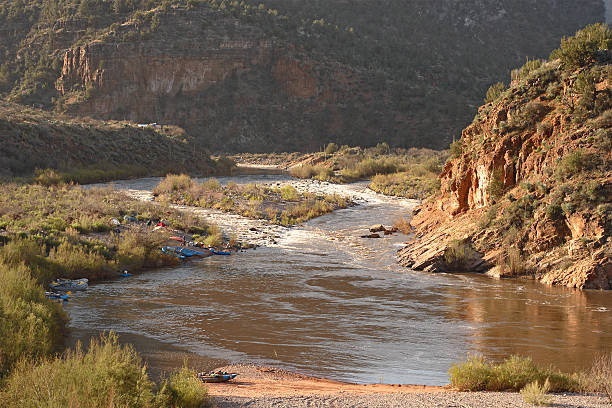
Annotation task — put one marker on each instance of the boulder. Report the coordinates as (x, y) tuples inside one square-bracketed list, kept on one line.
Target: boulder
[(377, 228)]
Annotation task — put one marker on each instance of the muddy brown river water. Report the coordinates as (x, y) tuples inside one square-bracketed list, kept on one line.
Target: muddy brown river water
[(322, 301)]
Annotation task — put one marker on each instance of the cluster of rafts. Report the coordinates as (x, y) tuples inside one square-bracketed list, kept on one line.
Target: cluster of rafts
[(190, 249), (61, 289)]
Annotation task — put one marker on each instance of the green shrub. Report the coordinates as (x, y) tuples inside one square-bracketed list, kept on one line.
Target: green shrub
[(487, 218), (107, 375), (514, 264), (289, 193), (370, 167), (554, 212), (76, 261), (30, 324), (496, 186), (458, 255), (535, 394), (523, 72), (212, 184), (184, 390), (571, 164), (588, 46), (214, 238), (513, 374), (456, 149), (471, 375), (173, 183), (138, 249), (494, 92), (305, 171), (331, 148)]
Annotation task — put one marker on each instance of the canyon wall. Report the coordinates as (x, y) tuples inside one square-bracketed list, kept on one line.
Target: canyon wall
[(528, 193)]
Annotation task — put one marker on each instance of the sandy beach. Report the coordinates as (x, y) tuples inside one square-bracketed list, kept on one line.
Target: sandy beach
[(263, 387)]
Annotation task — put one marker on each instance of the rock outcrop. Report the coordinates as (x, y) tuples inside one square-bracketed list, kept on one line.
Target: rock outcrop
[(531, 184), (287, 76)]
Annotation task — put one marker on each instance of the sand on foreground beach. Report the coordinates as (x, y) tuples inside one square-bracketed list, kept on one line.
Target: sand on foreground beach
[(260, 387)]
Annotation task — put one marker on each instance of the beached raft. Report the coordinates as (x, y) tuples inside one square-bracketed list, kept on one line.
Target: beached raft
[(65, 285), (57, 296), (183, 252), (216, 376)]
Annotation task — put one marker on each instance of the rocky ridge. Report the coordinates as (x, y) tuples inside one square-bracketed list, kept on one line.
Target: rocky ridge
[(528, 193), (283, 76)]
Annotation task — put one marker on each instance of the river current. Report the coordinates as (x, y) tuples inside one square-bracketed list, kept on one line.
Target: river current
[(321, 300)]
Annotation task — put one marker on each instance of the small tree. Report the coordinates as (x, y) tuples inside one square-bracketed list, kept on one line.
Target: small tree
[(495, 92), (496, 186), (588, 46), (331, 148), (456, 149)]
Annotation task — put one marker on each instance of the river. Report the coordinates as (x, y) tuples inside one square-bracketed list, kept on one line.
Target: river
[(320, 300)]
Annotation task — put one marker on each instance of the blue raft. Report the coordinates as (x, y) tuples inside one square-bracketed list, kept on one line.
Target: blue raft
[(216, 376), (183, 252)]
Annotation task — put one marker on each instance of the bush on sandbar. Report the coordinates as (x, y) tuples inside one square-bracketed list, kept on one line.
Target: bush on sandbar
[(513, 374)]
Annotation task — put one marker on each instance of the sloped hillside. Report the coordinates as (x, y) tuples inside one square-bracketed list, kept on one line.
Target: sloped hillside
[(284, 75), (90, 150), (528, 191)]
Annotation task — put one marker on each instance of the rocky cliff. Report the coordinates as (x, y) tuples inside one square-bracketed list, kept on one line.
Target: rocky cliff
[(286, 75), (528, 192)]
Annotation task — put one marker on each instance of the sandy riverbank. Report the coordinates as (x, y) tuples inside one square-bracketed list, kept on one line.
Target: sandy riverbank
[(273, 387)]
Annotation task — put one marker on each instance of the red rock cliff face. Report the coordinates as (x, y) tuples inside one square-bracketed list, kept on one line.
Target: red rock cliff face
[(131, 77), (521, 144), (227, 83)]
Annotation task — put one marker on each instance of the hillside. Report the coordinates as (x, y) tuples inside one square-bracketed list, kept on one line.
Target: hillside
[(287, 75), (89, 150), (528, 190)]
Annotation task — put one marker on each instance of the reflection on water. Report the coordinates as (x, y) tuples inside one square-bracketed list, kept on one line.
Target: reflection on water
[(329, 303)]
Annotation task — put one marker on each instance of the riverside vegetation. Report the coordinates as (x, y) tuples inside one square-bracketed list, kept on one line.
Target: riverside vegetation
[(411, 173), (527, 190), (62, 230), (84, 150), (521, 374), (279, 205)]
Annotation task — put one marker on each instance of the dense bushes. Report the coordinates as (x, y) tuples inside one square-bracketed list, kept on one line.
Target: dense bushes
[(514, 373), (307, 171), (458, 255), (589, 45), (106, 375), (183, 390), (30, 324), (494, 92)]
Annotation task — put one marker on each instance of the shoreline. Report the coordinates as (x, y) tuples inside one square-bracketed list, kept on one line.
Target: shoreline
[(263, 386)]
